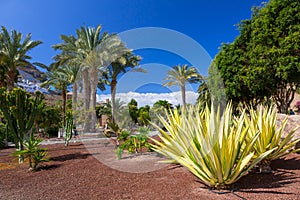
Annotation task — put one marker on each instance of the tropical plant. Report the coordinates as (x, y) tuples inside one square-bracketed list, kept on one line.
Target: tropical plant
[(132, 143), (181, 75), (144, 115), (59, 78), (19, 110), (209, 144), (159, 109), (144, 130), (51, 120), (124, 63), (263, 121), (33, 152), (133, 110), (92, 51), (14, 54), (68, 128)]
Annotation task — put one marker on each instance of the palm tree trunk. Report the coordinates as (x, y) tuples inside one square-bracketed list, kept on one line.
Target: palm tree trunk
[(182, 87), (87, 98), (10, 79), (64, 102), (94, 80), (74, 96), (74, 101), (113, 87)]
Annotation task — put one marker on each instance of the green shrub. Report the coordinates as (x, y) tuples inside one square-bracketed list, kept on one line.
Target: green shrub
[(52, 131), (209, 144), (132, 143)]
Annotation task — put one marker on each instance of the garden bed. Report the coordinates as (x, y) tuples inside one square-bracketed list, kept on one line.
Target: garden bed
[(75, 172)]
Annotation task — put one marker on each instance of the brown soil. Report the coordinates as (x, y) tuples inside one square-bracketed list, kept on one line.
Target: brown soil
[(75, 172)]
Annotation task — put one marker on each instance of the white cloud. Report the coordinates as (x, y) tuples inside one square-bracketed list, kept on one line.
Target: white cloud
[(150, 98)]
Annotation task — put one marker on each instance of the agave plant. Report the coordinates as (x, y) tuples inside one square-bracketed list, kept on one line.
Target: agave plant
[(209, 144), (263, 120)]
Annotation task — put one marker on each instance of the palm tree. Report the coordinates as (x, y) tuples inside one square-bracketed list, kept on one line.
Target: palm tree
[(92, 52), (59, 78), (74, 51), (120, 66), (14, 54), (72, 72), (180, 75)]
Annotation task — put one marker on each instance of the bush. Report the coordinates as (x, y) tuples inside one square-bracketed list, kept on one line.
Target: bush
[(52, 131), (132, 143), (209, 144), (263, 121), (2, 138)]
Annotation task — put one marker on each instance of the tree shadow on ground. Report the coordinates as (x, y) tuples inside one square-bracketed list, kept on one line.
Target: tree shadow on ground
[(288, 164), (72, 156), (277, 179), (48, 167)]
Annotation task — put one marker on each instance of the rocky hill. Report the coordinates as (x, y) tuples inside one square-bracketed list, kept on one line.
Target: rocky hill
[(31, 73)]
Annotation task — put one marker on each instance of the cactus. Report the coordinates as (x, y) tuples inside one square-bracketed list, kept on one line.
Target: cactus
[(68, 127), (19, 110)]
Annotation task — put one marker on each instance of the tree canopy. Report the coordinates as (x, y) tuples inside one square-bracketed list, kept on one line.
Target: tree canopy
[(263, 61)]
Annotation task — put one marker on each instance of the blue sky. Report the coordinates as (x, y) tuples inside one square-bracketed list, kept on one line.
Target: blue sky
[(209, 23)]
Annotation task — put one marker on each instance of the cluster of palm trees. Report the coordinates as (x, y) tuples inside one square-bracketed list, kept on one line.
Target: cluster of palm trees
[(87, 61)]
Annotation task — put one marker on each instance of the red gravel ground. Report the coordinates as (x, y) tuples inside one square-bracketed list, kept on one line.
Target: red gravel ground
[(73, 173)]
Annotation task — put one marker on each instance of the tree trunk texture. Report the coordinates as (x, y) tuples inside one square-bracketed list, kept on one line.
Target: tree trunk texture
[(182, 87), (94, 81), (64, 102), (86, 100), (284, 97), (74, 102), (10, 80), (113, 99)]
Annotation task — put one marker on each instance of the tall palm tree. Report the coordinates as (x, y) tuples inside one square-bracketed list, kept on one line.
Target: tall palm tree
[(72, 73), (92, 52), (75, 51), (122, 65), (59, 78), (181, 75), (14, 54)]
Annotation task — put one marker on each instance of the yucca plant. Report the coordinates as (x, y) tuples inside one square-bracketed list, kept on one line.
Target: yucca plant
[(209, 144), (263, 121)]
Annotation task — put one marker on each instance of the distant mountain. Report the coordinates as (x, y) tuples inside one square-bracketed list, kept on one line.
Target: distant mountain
[(31, 73)]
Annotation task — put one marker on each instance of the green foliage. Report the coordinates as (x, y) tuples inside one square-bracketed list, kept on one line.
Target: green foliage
[(19, 110), (14, 54), (68, 127), (263, 121), (132, 143), (103, 110), (159, 108), (51, 120), (144, 116), (263, 61), (133, 110), (181, 75), (143, 130), (209, 144), (2, 135), (32, 152), (113, 129)]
